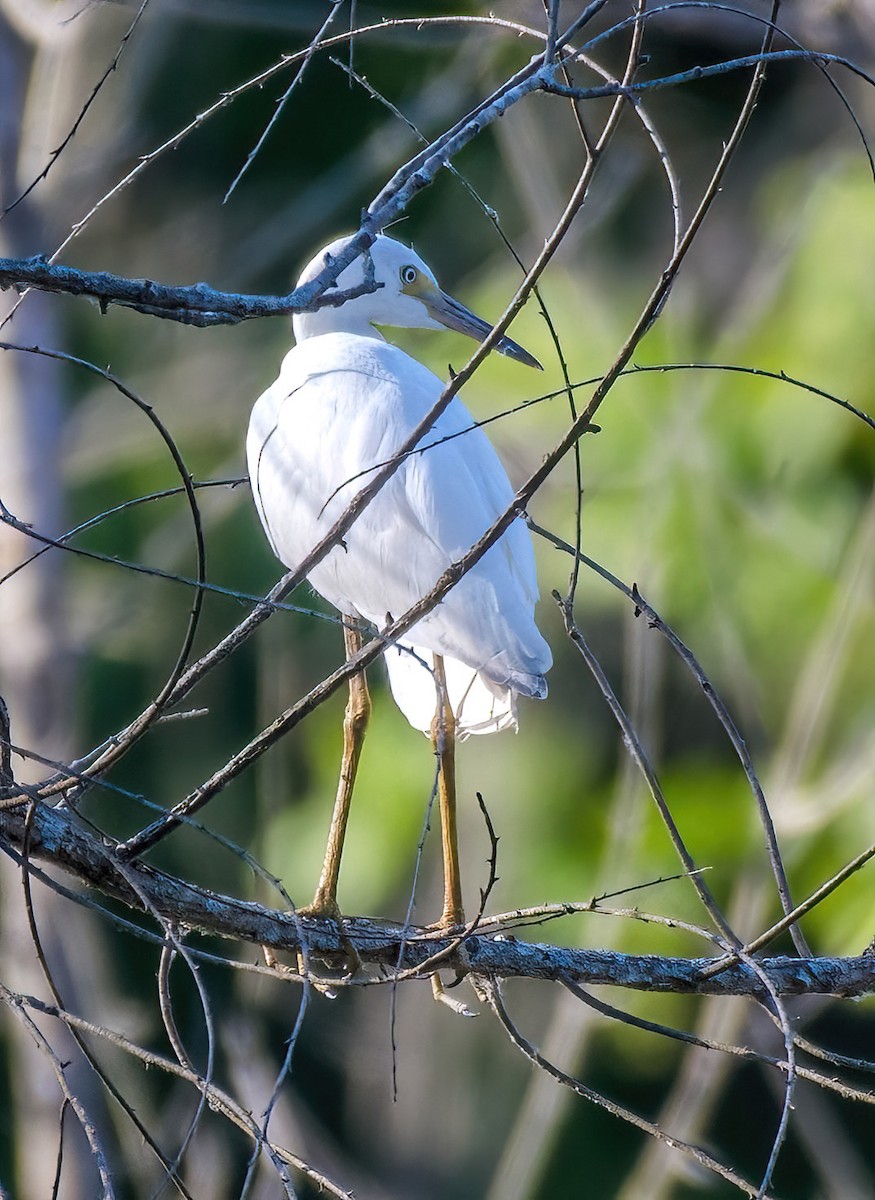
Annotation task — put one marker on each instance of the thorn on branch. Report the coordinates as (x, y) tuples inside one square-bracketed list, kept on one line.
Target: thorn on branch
[(9, 518)]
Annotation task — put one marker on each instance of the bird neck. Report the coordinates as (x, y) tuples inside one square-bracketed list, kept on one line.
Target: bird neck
[(343, 319)]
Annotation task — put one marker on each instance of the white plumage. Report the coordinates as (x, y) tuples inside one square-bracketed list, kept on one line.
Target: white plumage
[(344, 402)]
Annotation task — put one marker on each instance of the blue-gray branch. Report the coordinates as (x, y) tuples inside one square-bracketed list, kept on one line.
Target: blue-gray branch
[(192, 304), (54, 835)]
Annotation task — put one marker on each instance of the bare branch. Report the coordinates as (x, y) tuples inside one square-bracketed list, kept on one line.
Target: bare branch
[(56, 836), (496, 1003), (191, 304)]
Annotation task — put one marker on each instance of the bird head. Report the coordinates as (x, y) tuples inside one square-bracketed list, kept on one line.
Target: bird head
[(406, 295)]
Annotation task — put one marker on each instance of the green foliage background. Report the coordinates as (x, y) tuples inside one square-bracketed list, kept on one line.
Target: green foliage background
[(741, 506)]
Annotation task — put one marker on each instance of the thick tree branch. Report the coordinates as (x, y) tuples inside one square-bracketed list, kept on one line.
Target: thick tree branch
[(191, 304), (56, 836)]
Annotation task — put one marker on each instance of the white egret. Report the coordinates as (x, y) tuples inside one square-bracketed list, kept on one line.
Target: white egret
[(344, 402)]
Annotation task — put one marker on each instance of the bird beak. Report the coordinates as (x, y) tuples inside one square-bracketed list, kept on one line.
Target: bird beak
[(450, 312)]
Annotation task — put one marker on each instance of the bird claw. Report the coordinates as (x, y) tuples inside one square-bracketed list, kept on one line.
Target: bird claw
[(440, 995), (347, 958)]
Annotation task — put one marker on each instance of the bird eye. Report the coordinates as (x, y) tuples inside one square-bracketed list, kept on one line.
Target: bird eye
[(408, 275)]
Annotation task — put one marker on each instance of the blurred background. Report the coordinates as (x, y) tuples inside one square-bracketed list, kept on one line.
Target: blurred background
[(741, 506)]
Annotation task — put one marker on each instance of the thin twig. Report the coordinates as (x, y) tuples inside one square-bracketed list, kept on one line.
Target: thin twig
[(219, 1100), (16, 1006), (103, 1075), (744, 1052), (315, 43), (639, 756), (690, 661), (492, 996), (83, 112)]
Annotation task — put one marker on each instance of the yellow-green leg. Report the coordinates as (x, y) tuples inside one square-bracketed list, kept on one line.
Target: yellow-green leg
[(355, 723), (443, 735)]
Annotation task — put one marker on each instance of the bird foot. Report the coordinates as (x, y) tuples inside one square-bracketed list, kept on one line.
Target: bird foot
[(325, 908), (440, 995), (448, 924)]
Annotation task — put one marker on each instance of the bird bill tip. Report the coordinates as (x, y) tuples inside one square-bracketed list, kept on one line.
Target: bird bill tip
[(454, 315), (513, 350)]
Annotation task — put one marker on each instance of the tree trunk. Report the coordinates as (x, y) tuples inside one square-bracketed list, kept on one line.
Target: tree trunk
[(35, 671)]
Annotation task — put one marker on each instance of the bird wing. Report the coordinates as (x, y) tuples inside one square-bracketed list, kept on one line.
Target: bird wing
[(342, 405)]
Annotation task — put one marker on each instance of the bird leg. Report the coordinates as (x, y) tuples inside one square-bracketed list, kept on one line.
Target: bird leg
[(443, 736), (355, 723)]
